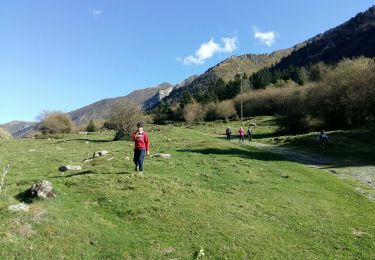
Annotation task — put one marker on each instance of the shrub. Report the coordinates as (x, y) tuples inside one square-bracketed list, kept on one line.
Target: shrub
[(91, 127), (55, 123), (4, 134), (220, 110), (193, 113), (124, 118)]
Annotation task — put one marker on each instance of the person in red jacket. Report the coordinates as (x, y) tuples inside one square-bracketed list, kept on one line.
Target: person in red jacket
[(242, 134), (141, 147)]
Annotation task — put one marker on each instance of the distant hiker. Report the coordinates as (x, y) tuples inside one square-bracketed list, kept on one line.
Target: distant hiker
[(242, 134), (141, 147), (250, 134), (228, 133), (322, 139)]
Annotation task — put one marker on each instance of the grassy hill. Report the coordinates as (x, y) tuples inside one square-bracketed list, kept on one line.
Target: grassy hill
[(226, 199), (4, 134)]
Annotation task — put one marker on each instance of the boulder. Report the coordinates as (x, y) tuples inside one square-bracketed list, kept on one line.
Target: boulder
[(69, 167), (100, 153), (42, 189), (162, 155)]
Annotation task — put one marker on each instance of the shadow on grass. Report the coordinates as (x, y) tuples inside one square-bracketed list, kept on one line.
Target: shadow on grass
[(84, 140), (86, 173), (25, 197), (256, 155)]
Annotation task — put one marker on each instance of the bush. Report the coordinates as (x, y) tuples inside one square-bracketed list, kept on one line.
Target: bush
[(220, 110), (124, 118), (4, 134), (344, 98), (91, 127), (193, 113), (56, 123), (347, 93)]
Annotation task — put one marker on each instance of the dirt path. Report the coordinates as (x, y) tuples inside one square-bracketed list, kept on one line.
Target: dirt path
[(364, 174)]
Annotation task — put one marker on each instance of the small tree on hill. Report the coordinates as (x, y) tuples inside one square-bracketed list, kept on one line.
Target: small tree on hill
[(186, 98), (162, 113), (55, 123), (124, 117), (91, 127)]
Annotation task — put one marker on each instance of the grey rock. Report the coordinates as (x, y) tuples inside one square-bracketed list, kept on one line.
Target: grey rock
[(42, 189), (162, 155), (100, 153), (19, 207), (69, 167)]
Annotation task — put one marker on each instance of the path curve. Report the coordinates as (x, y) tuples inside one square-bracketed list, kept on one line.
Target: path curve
[(364, 174)]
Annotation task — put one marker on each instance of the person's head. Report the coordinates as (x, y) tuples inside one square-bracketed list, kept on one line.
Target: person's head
[(140, 126), (322, 131)]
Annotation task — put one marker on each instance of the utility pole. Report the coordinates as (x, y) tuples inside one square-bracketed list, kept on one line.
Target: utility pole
[(241, 102)]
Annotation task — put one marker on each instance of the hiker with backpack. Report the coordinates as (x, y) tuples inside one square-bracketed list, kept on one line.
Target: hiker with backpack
[(323, 139), (228, 133), (250, 134)]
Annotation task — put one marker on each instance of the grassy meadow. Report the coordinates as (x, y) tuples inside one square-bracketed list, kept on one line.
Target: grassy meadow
[(211, 199)]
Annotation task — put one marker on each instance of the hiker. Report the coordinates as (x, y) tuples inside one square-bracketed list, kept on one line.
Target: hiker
[(228, 132), (250, 134), (141, 147), (322, 139), (242, 134)]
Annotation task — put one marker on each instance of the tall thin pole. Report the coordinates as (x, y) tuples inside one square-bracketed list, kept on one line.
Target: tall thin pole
[(241, 103)]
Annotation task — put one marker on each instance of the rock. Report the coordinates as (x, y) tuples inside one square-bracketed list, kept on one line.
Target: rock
[(162, 155), (100, 153), (87, 142), (87, 160), (110, 158), (19, 207), (127, 158), (252, 124), (83, 133), (42, 189), (32, 150), (69, 167)]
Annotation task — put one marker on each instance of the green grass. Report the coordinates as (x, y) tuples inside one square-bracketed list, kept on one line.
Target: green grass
[(231, 200)]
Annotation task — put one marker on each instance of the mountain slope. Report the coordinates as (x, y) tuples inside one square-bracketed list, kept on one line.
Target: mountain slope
[(353, 38), (19, 128), (101, 109), (229, 68)]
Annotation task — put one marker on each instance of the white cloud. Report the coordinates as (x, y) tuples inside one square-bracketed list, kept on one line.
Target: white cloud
[(209, 49), (96, 12), (267, 38)]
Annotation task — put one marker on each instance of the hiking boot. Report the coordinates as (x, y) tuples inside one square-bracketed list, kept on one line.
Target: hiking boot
[(140, 174), (136, 168)]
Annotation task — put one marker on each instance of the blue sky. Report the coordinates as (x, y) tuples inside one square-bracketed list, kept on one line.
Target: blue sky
[(63, 55)]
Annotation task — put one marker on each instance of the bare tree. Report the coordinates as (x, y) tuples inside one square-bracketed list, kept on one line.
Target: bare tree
[(124, 116)]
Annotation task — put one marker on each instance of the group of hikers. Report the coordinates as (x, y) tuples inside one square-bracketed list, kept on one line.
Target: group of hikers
[(241, 132), (142, 146)]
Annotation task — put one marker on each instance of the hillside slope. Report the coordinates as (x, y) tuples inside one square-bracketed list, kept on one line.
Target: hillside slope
[(101, 109), (353, 38)]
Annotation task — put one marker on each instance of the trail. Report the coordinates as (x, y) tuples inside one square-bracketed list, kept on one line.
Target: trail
[(364, 174)]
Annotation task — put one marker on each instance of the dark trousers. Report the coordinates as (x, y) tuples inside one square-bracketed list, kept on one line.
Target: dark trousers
[(228, 137), (250, 137), (139, 156)]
